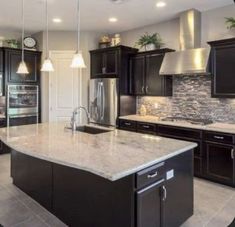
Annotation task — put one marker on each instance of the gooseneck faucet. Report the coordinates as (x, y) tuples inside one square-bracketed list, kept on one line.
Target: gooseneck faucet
[(73, 122)]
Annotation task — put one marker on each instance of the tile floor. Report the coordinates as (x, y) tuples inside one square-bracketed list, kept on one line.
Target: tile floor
[(214, 205)]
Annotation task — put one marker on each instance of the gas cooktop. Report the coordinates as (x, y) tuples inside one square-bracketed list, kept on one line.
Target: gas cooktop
[(189, 120)]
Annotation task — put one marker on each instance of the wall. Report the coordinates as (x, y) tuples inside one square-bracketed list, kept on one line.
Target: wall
[(66, 41), (191, 95)]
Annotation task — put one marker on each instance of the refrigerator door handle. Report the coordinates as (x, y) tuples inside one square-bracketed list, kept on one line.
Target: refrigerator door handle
[(99, 100), (103, 100)]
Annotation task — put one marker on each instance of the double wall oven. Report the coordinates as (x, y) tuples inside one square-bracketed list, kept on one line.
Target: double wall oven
[(22, 104)]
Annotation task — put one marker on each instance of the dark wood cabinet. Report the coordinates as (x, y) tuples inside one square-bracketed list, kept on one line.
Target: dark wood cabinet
[(222, 67), (112, 62), (150, 205), (104, 63), (12, 61), (33, 176), (219, 162), (144, 74), (137, 75)]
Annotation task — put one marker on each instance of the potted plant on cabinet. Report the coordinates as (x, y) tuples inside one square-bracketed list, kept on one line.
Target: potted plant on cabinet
[(230, 21), (150, 42)]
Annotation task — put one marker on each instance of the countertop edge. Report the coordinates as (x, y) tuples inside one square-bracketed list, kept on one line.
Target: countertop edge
[(174, 124), (114, 177)]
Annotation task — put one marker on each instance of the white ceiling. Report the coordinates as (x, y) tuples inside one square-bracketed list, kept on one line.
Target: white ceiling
[(95, 13)]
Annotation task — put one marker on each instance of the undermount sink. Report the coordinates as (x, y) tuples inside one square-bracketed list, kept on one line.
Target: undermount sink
[(91, 129)]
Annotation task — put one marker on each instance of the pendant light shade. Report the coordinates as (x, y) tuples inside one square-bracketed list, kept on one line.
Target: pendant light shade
[(78, 61), (22, 69), (47, 65)]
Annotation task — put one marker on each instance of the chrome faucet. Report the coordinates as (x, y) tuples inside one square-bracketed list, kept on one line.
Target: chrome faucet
[(73, 122)]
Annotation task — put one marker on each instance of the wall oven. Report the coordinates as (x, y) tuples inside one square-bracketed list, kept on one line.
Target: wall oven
[(22, 104)]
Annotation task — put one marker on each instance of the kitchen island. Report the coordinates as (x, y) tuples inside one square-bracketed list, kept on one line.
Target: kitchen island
[(111, 179)]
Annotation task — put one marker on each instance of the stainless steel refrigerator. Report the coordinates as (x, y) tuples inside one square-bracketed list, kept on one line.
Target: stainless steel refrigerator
[(103, 98)]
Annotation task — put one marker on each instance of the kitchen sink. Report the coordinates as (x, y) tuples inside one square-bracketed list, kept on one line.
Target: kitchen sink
[(91, 129)]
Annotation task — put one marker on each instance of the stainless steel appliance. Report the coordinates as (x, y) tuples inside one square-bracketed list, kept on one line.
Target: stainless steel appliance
[(103, 101), (22, 104), (1, 84)]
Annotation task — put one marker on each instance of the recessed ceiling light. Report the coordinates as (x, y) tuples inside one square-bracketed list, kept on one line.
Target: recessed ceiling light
[(57, 20), (117, 1), (161, 4), (113, 19)]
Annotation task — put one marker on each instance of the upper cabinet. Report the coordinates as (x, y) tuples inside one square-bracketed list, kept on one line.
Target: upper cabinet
[(222, 67), (12, 60), (112, 62), (144, 74)]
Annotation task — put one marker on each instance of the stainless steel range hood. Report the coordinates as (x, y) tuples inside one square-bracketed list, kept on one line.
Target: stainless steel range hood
[(191, 59)]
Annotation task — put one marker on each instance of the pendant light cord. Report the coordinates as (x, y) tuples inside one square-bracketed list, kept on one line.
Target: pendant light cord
[(47, 25), (22, 37), (78, 25)]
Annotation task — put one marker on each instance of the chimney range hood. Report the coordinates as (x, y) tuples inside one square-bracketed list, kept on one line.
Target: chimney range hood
[(191, 60)]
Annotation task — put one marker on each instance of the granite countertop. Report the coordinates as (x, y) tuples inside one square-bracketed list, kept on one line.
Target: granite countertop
[(217, 127), (112, 155)]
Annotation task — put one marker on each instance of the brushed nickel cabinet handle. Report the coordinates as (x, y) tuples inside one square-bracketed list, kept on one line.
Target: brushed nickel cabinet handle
[(143, 89), (219, 137), (146, 126), (128, 124), (164, 193), (147, 88), (232, 154), (153, 175)]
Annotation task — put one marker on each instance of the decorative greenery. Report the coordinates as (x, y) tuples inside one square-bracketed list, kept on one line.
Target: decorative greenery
[(13, 43), (147, 39), (230, 21)]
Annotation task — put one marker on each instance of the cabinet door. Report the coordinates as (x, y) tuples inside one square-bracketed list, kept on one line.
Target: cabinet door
[(13, 60), (149, 206), (97, 64), (111, 62), (219, 162), (223, 71), (154, 82), (137, 75)]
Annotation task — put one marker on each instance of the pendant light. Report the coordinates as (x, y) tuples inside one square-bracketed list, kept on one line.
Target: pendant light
[(22, 69), (47, 64), (78, 61)]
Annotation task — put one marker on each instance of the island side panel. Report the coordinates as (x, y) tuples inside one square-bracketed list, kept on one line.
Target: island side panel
[(178, 206), (33, 176), (84, 199)]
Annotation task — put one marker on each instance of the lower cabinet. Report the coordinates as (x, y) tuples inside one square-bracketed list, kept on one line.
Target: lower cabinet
[(219, 162), (150, 205)]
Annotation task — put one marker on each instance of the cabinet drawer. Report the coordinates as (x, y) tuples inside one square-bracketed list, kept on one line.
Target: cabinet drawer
[(146, 127), (150, 175), (219, 137), (181, 132), (128, 125)]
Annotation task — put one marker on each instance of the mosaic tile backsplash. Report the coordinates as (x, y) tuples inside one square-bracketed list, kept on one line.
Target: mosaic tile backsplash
[(192, 99)]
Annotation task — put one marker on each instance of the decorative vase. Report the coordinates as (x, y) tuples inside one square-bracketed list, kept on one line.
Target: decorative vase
[(150, 46)]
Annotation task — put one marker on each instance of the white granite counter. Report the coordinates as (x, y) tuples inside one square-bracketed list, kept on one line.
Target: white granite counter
[(218, 127), (112, 155)]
